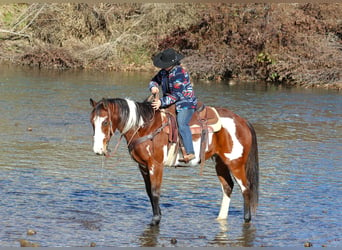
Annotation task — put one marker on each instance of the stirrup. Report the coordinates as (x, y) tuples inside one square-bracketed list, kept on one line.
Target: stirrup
[(187, 158)]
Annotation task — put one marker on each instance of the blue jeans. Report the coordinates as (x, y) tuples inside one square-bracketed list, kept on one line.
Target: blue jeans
[(183, 119)]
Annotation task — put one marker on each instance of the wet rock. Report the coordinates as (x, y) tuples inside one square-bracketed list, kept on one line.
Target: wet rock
[(29, 129), (173, 241), (26, 243), (31, 232), (231, 82), (307, 244), (92, 244)]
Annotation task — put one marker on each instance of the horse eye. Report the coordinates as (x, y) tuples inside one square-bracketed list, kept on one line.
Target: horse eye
[(105, 123)]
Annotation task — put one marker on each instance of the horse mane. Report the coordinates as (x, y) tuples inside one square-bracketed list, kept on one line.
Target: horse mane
[(145, 110), (132, 114)]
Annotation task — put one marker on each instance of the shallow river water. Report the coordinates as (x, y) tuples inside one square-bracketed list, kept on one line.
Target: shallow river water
[(52, 182)]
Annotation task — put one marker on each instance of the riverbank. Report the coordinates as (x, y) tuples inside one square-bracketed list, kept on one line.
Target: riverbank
[(295, 45)]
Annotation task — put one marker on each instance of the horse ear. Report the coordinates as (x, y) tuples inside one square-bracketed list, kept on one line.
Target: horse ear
[(92, 103), (105, 103)]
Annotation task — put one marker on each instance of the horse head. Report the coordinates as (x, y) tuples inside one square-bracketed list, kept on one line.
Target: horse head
[(103, 123)]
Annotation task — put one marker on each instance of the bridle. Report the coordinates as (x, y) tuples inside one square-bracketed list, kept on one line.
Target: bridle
[(111, 132), (131, 143)]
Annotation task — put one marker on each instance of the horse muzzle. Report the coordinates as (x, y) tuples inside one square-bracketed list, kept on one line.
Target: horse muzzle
[(103, 153), (100, 152), (100, 149)]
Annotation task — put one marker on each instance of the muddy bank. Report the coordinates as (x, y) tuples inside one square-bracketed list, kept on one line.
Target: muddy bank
[(288, 44)]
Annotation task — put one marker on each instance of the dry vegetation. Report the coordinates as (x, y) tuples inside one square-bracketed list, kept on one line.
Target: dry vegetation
[(291, 44)]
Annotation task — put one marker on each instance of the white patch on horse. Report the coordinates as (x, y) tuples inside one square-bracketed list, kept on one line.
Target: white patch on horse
[(237, 148), (210, 140), (224, 206), (165, 154), (132, 117), (152, 170), (99, 136), (148, 148), (194, 162), (131, 120), (243, 188)]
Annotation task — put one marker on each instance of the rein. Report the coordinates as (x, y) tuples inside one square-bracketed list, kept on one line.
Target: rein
[(132, 143), (111, 132), (116, 147), (146, 137)]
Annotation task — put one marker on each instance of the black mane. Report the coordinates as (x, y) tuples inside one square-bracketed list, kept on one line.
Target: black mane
[(145, 110)]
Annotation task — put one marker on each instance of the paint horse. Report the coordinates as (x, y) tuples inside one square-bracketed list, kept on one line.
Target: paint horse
[(233, 146)]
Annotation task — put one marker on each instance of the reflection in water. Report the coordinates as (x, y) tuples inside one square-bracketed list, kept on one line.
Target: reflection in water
[(248, 235), (149, 238), (221, 239), (245, 239)]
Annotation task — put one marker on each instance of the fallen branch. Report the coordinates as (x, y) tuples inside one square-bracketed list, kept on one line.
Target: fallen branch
[(15, 33), (35, 16)]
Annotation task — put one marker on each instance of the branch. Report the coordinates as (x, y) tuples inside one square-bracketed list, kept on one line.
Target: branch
[(24, 15), (15, 33), (36, 15)]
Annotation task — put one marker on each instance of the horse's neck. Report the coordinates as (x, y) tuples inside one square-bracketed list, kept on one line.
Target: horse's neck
[(148, 127), (117, 119), (129, 135)]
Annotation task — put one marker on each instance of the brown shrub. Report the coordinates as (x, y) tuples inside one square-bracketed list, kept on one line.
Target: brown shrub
[(290, 43), (294, 44), (50, 57)]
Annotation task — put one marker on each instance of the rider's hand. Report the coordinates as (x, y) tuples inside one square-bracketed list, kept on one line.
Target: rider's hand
[(154, 90), (156, 104)]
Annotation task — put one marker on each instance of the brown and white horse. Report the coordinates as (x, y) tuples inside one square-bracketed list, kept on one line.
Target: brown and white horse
[(233, 147)]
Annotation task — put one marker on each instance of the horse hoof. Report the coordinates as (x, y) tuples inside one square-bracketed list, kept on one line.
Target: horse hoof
[(247, 220), (247, 217), (155, 221)]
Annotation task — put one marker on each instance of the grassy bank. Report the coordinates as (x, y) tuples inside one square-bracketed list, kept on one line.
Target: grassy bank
[(290, 44)]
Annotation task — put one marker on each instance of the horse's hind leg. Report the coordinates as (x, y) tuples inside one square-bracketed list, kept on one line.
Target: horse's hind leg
[(227, 185), (239, 173), (240, 177), (246, 205), (152, 180)]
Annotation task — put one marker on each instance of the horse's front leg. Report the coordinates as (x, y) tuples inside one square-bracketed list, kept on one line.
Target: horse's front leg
[(153, 175)]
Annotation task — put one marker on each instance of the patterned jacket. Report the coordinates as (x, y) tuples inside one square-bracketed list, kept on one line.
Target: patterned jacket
[(176, 88)]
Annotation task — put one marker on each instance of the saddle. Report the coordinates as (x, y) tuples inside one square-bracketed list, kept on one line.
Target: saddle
[(205, 117), (204, 120)]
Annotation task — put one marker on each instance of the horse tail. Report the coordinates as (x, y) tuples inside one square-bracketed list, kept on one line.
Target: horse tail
[(252, 170)]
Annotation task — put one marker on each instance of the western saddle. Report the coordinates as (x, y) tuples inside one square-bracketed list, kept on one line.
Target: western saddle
[(204, 120)]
